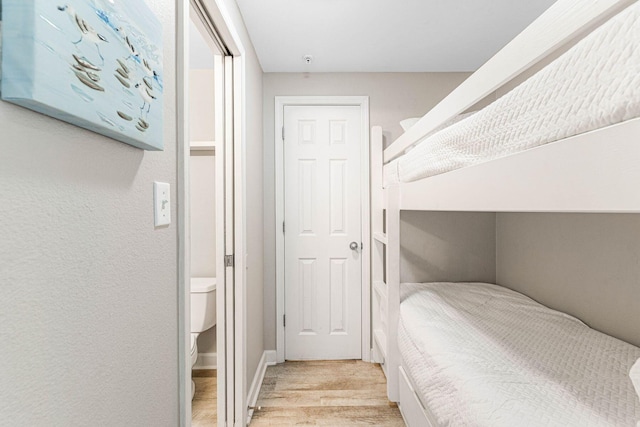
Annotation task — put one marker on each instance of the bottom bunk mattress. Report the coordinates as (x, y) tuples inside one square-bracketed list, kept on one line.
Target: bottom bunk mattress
[(483, 355)]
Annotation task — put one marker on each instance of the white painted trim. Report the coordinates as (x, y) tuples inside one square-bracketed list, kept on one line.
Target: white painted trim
[(206, 361), (279, 197), (379, 301), (256, 384), (221, 227), (363, 103), (365, 206), (564, 21), (393, 358), (240, 243), (380, 237), (272, 357), (182, 208), (597, 171), (203, 146), (365, 191), (230, 360)]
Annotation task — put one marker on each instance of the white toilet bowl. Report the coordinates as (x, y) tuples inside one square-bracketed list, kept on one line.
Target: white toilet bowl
[(203, 313), (194, 348), (194, 357), (203, 303)]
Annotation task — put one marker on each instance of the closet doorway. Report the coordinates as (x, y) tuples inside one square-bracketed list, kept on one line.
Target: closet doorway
[(324, 213), (208, 217)]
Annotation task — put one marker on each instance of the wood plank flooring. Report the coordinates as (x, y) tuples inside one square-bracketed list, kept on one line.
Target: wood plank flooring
[(325, 393), (204, 406)]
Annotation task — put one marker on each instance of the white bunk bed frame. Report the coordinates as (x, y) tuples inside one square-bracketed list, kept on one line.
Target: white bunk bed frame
[(598, 171)]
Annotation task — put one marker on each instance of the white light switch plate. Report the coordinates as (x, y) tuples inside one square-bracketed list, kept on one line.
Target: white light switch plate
[(162, 203)]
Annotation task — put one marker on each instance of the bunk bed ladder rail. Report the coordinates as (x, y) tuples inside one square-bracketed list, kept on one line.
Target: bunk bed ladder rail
[(385, 243), (378, 242), (393, 291)]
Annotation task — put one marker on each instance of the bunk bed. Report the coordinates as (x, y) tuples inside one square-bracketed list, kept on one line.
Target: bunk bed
[(495, 161)]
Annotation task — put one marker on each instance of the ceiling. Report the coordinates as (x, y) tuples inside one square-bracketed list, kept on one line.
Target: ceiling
[(383, 35)]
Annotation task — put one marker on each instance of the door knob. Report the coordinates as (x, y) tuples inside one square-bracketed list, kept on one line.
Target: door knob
[(353, 246)]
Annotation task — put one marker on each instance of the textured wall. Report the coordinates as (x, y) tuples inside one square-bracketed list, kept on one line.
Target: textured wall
[(88, 315), (447, 246), (203, 228), (587, 265), (392, 96), (202, 173), (201, 105), (203, 213), (255, 218)]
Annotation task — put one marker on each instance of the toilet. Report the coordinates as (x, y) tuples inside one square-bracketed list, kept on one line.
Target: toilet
[(203, 313)]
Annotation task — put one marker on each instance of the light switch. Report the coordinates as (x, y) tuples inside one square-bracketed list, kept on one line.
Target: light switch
[(162, 203)]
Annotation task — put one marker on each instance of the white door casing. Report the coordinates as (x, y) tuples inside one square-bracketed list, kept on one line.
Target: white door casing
[(323, 253)]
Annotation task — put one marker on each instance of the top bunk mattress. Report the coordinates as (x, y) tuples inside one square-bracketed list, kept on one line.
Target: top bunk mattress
[(483, 355), (593, 85)]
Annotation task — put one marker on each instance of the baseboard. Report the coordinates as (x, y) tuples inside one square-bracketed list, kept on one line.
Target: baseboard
[(268, 358), (367, 356), (272, 357), (206, 361)]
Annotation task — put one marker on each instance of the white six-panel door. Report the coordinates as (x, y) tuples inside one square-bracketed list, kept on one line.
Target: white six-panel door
[(323, 262)]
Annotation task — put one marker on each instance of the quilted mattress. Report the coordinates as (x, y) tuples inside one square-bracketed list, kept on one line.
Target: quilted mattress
[(483, 355), (593, 85)]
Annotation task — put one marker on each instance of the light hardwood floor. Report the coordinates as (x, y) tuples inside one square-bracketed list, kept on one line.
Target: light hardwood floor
[(204, 406), (327, 393)]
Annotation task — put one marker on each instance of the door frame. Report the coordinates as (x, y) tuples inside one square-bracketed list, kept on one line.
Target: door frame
[(317, 101), (232, 341)]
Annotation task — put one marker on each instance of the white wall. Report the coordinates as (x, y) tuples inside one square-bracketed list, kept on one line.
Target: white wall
[(447, 247), (587, 265), (203, 214), (202, 104), (88, 315), (203, 228), (202, 170), (393, 97), (200, 54)]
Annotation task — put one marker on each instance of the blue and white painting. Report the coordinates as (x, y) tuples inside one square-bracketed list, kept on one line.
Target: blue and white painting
[(93, 63)]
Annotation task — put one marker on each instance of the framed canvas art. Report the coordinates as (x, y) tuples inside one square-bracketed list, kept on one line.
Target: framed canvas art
[(94, 63)]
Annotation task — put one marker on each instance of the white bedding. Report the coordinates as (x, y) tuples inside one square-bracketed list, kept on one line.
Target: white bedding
[(593, 85), (482, 355), (634, 374)]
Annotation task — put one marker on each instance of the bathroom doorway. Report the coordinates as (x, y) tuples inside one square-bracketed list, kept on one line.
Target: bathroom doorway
[(207, 229), (206, 132)]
